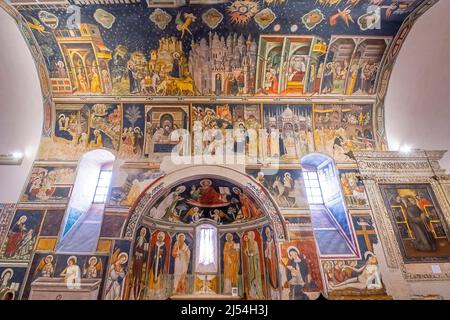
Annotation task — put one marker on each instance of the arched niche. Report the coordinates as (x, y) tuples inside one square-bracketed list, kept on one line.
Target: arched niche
[(223, 192)]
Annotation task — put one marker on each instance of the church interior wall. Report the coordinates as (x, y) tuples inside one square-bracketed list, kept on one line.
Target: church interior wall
[(145, 104)]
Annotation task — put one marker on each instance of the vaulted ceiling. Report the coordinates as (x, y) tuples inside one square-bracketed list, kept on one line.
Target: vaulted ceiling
[(87, 51)]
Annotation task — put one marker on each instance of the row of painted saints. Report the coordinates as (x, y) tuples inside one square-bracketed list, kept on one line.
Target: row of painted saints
[(162, 266), (282, 133)]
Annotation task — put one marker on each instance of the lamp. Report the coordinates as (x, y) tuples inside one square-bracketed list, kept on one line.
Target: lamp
[(14, 158)]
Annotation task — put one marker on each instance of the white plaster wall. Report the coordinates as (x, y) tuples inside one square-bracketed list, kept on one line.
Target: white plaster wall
[(418, 98), (21, 110)]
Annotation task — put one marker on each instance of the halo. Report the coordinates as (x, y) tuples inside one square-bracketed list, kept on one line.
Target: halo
[(92, 258), (180, 189), (290, 248), (181, 234), (123, 254), (7, 270), (162, 233), (202, 182), (72, 257), (49, 256)]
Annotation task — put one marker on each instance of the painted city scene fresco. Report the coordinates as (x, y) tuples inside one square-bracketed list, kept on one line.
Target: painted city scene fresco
[(418, 223), (230, 48)]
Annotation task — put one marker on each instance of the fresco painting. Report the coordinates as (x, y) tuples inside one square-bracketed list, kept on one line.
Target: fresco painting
[(20, 240), (353, 189), (300, 271), (129, 184), (116, 274), (231, 263), (11, 280), (341, 129), (285, 185), (274, 56), (68, 271), (227, 129), (253, 265), (166, 131), (418, 222), (354, 278), (212, 80), (288, 132), (213, 199), (49, 184)]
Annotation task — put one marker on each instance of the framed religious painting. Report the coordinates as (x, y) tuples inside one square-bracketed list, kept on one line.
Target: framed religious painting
[(418, 222)]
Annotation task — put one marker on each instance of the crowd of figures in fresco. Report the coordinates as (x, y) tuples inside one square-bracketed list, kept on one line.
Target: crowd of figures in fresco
[(277, 54), (267, 133), (268, 49)]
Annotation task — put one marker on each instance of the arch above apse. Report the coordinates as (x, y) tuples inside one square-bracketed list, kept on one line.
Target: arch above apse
[(160, 187)]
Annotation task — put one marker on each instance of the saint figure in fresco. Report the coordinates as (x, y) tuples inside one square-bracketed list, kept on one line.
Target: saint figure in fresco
[(297, 274), (208, 195), (15, 237), (419, 224), (231, 264), (115, 276), (270, 260), (176, 66), (249, 210), (254, 288), (72, 273), (182, 257), (218, 85), (140, 252), (157, 260), (167, 206)]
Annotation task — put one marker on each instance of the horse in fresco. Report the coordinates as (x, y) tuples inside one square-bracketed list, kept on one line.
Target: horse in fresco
[(284, 195)]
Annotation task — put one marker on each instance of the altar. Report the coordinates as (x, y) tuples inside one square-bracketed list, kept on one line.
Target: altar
[(56, 289)]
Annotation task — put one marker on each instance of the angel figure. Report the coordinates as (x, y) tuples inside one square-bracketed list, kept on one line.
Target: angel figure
[(344, 15), (93, 269), (116, 275), (36, 25), (45, 267), (184, 25)]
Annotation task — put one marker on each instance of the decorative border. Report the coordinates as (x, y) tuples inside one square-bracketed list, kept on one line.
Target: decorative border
[(398, 168)]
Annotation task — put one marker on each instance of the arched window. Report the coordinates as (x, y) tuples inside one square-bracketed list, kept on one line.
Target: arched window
[(84, 215), (206, 257), (329, 216)]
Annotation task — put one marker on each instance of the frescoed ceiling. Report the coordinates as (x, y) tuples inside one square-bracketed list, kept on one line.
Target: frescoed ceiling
[(262, 49)]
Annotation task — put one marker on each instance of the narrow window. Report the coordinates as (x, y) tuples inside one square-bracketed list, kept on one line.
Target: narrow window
[(101, 191)]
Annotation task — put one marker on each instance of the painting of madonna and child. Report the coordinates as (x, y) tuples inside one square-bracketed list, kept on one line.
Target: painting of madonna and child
[(215, 199), (418, 222)]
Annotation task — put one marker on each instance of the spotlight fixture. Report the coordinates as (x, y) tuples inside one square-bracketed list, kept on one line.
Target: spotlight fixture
[(14, 158)]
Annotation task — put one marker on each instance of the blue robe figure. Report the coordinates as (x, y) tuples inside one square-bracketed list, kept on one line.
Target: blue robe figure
[(218, 85), (175, 73)]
